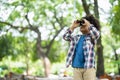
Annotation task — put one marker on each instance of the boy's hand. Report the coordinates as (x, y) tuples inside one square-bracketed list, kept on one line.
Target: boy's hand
[(74, 25), (87, 23), (85, 27)]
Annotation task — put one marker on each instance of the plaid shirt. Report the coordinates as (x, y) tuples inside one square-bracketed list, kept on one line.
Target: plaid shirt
[(88, 46)]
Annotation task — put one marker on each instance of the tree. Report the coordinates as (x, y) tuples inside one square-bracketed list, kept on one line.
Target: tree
[(111, 56), (115, 18), (25, 50), (100, 60), (34, 16), (115, 22)]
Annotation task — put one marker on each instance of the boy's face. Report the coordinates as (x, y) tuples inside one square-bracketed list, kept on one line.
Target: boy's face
[(85, 27)]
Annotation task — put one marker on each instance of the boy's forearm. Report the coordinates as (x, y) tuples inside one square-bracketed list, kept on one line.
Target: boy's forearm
[(71, 28), (67, 36)]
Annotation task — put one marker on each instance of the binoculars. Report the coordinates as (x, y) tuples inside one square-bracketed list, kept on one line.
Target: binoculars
[(81, 22)]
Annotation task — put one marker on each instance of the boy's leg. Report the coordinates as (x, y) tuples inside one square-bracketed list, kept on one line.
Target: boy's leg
[(89, 74), (78, 74)]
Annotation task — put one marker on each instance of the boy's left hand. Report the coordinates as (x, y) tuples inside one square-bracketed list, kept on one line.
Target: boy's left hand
[(87, 23)]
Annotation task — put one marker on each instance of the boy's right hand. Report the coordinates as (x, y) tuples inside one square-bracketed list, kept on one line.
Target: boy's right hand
[(74, 25)]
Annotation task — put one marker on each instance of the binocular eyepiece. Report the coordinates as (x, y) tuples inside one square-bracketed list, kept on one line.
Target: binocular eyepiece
[(81, 22)]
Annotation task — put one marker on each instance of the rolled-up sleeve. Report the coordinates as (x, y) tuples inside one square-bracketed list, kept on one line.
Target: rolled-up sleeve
[(67, 35)]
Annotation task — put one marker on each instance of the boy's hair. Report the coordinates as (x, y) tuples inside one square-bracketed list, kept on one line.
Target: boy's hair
[(93, 21)]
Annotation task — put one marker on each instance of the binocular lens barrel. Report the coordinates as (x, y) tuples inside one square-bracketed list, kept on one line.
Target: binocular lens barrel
[(81, 22)]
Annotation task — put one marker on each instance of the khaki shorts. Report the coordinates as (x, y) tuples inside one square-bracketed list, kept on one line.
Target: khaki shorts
[(84, 74)]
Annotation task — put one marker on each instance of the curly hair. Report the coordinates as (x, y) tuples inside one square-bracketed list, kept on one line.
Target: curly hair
[(93, 21)]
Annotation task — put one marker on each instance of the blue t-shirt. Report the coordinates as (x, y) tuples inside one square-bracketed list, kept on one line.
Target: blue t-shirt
[(79, 59)]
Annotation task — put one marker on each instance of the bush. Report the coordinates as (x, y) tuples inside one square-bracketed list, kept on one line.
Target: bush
[(18, 70)]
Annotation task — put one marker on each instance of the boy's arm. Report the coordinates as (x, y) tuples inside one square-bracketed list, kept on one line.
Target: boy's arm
[(67, 36), (94, 33)]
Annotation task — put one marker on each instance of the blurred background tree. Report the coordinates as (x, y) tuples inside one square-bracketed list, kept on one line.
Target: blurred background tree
[(36, 20), (115, 28)]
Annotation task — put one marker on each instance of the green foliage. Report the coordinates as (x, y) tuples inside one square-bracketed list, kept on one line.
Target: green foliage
[(3, 73), (115, 20), (14, 15), (110, 44), (6, 47), (37, 68), (24, 48), (57, 53), (112, 1), (15, 3), (116, 62), (39, 72), (41, 17), (3, 67), (18, 70), (79, 8), (1, 26)]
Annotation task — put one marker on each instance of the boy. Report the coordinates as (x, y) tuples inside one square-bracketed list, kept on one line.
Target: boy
[(81, 52)]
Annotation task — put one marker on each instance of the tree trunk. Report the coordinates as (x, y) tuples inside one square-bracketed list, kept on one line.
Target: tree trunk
[(86, 7), (47, 66), (27, 64), (44, 58), (116, 58), (100, 59)]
